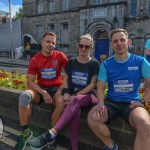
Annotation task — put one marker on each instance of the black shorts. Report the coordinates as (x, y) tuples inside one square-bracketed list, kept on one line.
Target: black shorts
[(115, 109), (50, 90)]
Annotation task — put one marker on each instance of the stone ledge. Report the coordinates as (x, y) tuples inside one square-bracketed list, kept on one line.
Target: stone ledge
[(121, 131)]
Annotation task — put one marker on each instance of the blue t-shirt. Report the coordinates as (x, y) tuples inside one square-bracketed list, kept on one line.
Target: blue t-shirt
[(124, 77), (147, 46)]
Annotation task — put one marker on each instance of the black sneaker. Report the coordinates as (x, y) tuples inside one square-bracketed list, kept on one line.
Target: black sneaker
[(52, 146), (42, 141)]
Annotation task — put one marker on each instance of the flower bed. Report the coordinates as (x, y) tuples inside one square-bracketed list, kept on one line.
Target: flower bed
[(13, 80)]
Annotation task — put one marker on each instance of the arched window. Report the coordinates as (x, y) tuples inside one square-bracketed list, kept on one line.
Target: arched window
[(133, 7)]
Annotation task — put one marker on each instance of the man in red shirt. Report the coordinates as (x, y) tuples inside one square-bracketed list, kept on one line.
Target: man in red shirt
[(45, 67)]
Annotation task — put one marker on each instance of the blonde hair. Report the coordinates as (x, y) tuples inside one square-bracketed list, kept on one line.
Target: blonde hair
[(87, 37)]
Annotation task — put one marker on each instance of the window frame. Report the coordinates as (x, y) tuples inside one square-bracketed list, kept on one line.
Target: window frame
[(65, 5), (133, 8), (40, 6), (51, 6)]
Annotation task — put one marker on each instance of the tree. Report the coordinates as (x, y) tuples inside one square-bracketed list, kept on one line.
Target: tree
[(19, 14)]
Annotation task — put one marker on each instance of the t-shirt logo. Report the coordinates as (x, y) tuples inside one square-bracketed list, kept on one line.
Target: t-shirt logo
[(48, 74), (79, 78), (55, 63), (133, 68)]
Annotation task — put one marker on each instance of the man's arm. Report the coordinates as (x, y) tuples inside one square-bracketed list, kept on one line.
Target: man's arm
[(100, 109), (100, 92), (146, 75), (144, 99), (34, 86)]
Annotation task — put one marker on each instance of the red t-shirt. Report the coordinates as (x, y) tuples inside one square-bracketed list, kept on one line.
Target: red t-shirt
[(48, 69)]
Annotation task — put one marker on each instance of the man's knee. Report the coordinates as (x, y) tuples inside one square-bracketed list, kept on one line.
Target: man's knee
[(25, 99), (92, 119)]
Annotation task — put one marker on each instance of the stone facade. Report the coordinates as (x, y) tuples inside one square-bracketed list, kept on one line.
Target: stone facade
[(74, 18)]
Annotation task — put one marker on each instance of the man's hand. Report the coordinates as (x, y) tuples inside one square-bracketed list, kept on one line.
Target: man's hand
[(134, 104), (66, 98), (47, 98), (101, 110)]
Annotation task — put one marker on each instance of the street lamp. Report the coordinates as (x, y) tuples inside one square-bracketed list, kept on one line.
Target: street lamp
[(12, 54)]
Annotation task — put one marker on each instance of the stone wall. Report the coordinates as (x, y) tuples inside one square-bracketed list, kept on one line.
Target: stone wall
[(120, 130)]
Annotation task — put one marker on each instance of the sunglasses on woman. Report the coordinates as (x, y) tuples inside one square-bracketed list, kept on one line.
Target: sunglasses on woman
[(81, 46)]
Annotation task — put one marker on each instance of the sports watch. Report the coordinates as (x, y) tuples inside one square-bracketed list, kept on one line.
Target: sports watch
[(142, 101)]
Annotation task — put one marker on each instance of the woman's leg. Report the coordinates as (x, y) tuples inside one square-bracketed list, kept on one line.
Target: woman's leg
[(71, 110), (74, 129), (72, 115)]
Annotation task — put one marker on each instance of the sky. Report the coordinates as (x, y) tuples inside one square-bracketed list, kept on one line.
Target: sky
[(15, 5)]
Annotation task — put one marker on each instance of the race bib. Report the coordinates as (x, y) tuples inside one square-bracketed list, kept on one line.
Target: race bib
[(123, 86), (48, 74), (79, 78)]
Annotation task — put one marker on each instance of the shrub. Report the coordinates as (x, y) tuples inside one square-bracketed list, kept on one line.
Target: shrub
[(13, 80)]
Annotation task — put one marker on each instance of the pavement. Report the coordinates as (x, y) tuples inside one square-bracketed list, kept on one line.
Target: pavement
[(20, 65), (14, 61)]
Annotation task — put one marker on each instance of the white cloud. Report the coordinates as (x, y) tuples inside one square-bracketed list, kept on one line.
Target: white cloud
[(14, 8)]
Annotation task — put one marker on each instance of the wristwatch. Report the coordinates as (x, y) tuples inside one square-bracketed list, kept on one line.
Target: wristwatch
[(142, 101)]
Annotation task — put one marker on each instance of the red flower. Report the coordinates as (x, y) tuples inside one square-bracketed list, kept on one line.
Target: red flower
[(17, 82)]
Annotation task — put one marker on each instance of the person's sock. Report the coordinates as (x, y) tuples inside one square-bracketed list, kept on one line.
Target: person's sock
[(25, 127), (52, 134)]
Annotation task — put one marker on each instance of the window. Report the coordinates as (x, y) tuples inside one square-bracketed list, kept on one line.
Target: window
[(51, 6), (64, 4), (133, 7), (64, 33), (97, 2), (40, 6), (51, 27), (39, 32)]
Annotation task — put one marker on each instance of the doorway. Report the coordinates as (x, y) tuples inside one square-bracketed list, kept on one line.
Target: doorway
[(101, 44)]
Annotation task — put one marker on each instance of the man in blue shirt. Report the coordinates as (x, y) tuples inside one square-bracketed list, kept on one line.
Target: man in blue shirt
[(123, 73)]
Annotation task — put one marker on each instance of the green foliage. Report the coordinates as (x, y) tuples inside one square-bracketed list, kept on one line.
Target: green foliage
[(19, 14), (13, 80)]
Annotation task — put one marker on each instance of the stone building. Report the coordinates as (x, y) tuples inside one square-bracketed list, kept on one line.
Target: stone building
[(70, 19), (4, 17)]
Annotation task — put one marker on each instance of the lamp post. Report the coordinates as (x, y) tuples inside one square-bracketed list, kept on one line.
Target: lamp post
[(12, 54)]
